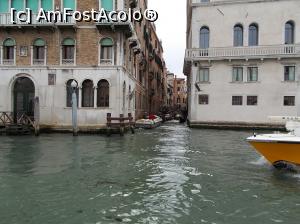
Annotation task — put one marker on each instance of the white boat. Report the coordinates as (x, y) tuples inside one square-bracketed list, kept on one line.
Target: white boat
[(280, 149), (149, 123)]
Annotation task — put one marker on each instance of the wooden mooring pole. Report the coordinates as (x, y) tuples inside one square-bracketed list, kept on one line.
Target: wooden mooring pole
[(37, 116)]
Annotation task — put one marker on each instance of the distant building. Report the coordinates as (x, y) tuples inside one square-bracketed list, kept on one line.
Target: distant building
[(180, 93), (177, 92), (242, 60)]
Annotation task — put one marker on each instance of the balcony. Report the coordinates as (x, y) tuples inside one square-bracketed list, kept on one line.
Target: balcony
[(8, 62), (106, 62), (253, 52), (127, 26), (38, 62), (5, 21), (68, 62)]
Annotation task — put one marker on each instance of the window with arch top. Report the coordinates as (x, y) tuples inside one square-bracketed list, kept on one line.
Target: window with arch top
[(39, 51), (68, 51), (253, 35), (238, 35), (88, 93), (290, 32), (103, 93), (9, 51), (204, 37)]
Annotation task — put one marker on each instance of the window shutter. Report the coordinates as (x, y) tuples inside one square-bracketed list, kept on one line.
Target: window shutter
[(4, 6), (69, 4), (47, 5), (33, 5)]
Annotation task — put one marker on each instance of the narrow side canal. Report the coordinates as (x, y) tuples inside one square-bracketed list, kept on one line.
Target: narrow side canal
[(168, 175)]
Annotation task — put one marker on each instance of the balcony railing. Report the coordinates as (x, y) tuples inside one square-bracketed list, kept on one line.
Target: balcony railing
[(68, 61), (106, 61), (272, 51), (5, 20), (8, 61), (38, 61)]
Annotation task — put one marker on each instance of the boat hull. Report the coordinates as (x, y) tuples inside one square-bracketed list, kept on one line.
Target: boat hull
[(279, 151)]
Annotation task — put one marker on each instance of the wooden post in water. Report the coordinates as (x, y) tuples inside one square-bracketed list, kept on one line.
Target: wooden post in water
[(108, 124), (37, 116), (74, 112), (131, 123), (122, 125)]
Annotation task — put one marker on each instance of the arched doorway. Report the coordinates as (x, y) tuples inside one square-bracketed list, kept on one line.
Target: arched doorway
[(23, 93)]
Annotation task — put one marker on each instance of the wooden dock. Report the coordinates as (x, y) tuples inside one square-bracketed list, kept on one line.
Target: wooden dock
[(21, 125), (119, 124)]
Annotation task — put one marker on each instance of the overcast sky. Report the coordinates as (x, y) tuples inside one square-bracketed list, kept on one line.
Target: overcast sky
[(171, 29)]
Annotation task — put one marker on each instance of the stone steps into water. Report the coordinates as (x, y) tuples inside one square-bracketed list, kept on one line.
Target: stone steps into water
[(15, 129)]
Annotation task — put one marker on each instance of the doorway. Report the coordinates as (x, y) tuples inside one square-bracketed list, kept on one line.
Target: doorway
[(23, 94)]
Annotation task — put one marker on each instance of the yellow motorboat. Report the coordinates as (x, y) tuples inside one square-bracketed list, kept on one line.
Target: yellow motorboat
[(279, 148)]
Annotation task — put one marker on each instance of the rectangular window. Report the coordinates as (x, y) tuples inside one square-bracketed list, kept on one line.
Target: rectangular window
[(51, 79), (252, 74), (203, 99), (106, 56), (4, 6), (251, 100), (289, 73), (289, 101), (237, 74), (237, 100), (203, 75), (47, 5), (69, 4)]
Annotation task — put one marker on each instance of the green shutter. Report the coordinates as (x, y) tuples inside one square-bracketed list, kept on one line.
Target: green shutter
[(47, 5), (106, 42), (108, 5), (39, 42), (68, 42), (9, 42), (33, 5), (17, 4), (4, 6), (69, 4)]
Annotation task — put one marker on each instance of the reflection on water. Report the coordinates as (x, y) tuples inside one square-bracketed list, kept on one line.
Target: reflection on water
[(168, 175)]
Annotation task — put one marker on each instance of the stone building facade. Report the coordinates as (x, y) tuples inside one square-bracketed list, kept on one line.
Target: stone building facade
[(106, 59), (242, 61)]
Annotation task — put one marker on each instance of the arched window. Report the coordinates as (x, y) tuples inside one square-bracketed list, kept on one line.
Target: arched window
[(38, 52), (69, 91), (103, 93), (88, 93), (68, 51), (9, 51), (238, 35), (106, 51), (289, 32), (204, 37), (253, 35)]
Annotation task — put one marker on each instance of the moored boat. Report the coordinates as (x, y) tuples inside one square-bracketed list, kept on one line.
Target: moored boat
[(280, 148), (152, 121)]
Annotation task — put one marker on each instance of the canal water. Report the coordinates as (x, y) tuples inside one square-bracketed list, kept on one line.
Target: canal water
[(168, 175)]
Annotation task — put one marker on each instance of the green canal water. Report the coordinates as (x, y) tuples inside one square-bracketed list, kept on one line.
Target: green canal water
[(168, 175)]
